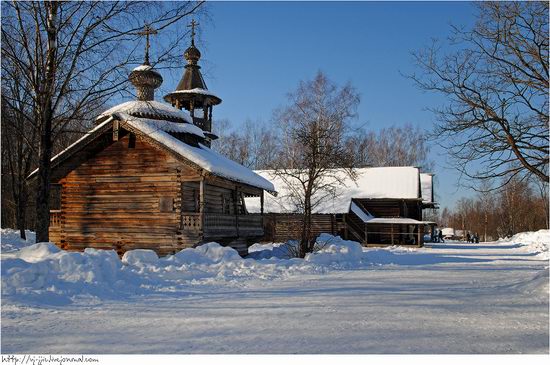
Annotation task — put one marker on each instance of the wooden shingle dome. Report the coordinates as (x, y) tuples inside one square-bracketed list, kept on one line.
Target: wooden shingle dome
[(191, 93)]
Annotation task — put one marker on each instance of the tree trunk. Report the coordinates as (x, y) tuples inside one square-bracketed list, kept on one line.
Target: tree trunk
[(21, 212), (43, 190), (46, 114)]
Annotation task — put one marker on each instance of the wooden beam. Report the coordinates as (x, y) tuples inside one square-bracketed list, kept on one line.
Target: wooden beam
[(116, 128), (235, 206), (262, 202), (201, 202)]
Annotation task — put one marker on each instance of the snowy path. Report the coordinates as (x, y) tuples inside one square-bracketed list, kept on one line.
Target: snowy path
[(445, 299)]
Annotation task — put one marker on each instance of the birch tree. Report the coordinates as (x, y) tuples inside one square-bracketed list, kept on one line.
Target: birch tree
[(313, 128)]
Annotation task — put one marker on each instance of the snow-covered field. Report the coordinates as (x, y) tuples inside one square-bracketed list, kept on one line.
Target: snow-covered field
[(444, 298)]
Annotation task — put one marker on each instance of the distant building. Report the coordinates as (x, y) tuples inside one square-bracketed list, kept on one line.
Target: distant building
[(382, 207), (448, 233)]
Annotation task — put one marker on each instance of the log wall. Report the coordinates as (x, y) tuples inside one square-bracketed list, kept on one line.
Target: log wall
[(135, 195), (284, 227), (120, 199)]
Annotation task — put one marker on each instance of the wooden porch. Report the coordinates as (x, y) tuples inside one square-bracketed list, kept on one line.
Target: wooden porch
[(223, 225)]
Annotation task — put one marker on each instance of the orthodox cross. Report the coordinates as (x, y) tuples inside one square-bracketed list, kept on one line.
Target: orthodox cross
[(147, 30), (192, 26)]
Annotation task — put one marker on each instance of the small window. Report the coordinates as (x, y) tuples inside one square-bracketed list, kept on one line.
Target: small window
[(55, 197), (166, 204)]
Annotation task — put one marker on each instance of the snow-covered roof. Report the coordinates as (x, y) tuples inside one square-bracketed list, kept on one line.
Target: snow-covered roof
[(371, 183), (81, 140), (139, 108), (396, 221), (426, 183), (143, 68), (196, 90), (202, 156), (163, 125)]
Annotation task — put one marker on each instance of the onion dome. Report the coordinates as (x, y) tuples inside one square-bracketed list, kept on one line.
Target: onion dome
[(192, 54), (144, 77), (146, 80)]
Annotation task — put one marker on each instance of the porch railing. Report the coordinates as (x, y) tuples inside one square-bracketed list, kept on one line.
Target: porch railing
[(55, 218), (224, 225)]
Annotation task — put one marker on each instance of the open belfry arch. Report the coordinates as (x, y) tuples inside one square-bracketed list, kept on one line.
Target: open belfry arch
[(145, 176)]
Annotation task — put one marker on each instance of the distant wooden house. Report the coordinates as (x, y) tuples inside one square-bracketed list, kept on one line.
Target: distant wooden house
[(382, 207), (145, 176)]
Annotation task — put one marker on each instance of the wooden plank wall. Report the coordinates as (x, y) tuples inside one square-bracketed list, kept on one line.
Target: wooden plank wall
[(284, 227), (112, 201)]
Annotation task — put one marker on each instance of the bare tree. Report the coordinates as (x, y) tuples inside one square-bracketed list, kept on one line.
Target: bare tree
[(313, 128), (496, 85), (253, 144), (17, 160), (69, 58), (393, 146), (504, 212)]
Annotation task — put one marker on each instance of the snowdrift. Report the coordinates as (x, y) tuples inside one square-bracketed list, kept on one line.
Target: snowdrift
[(42, 273), (537, 243), (11, 241)]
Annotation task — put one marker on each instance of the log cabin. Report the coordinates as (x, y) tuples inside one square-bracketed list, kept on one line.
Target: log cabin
[(146, 178), (383, 206)]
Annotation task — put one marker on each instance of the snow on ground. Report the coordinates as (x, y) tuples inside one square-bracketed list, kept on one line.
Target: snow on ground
[(444, 298), (11, 240)]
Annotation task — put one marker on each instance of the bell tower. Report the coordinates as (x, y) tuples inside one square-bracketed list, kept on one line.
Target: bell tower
[(192, 94)]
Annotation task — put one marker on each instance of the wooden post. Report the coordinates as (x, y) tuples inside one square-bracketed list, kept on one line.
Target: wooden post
[(419, 243), (262, 203), (391, 232), (116, 127), (366, 234), (236, 192), (201, 202), (345, 226)]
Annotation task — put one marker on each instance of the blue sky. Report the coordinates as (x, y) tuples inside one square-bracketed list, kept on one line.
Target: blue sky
[(256, 52)]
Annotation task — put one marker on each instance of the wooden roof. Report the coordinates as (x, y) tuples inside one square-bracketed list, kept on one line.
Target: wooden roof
[(198, 157)]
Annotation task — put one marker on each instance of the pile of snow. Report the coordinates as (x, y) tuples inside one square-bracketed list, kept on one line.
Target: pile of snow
[(140, 258), (42, 273), (330, 251), (11, 240), (537, 243), (261, 251), (334, 251)]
